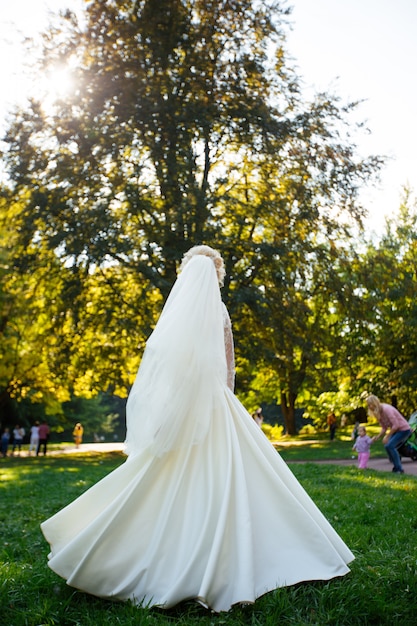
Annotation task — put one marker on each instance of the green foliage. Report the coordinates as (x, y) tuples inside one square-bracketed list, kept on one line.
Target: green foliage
[(186, 124), (28, 309), (385, 360), (274, 432), (373, 512), (95, 414), (318, 447)]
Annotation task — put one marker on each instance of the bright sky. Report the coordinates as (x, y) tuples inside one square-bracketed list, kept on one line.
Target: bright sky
[(367, 49), (360, 49)]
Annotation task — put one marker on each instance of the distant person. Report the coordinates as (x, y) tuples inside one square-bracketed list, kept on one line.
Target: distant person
[(18, 435), (34, 438), (355, 431), (43, 437), (390, 419), (362, 446), (77, 433), (5, 440), (343, 420), (332, 424), (259, 418)]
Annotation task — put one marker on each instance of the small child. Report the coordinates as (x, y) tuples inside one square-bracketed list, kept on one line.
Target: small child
[(362, 446)]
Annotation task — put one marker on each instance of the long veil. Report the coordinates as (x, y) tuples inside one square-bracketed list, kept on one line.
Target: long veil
[(182, 374)]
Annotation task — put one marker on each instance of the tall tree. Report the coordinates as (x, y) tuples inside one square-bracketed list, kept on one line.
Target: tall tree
[(390, 284), (186, 124), (27, 342)]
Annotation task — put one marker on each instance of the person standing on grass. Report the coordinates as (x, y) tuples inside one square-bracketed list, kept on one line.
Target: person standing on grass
[(332, 424), (355, 431), (362, 446), (43, 437), (5, 440), (77, 433), (390, 419), (259, 418), (34, 438), (18, 435)]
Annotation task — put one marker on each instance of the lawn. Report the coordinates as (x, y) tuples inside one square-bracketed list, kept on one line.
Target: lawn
[(318, 447), (374, 512)]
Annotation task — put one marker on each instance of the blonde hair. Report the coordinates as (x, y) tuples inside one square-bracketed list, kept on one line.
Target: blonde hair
[(209, 252), (374, 405)]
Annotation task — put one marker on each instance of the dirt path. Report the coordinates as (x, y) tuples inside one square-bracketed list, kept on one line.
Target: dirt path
[(410, 467), (116, 446), (382, 464)]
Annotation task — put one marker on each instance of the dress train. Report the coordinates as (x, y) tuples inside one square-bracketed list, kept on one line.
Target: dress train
[(223, 521)]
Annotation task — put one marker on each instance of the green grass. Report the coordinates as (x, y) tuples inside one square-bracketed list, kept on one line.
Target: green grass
[(374, 512), (318, 447)]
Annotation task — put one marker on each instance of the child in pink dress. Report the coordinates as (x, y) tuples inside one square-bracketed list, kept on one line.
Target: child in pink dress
[(362, 445)]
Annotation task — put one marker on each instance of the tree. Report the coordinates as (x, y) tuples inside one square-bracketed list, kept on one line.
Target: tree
[(58, 336), (28, 344), (390, 283), (95, 415), (186, 124), (299, 339)]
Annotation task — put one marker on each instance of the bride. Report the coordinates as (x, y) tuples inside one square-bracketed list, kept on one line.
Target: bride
[(204, 507)]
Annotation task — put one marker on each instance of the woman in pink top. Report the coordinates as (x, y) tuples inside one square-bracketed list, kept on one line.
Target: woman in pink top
[(390, 419)]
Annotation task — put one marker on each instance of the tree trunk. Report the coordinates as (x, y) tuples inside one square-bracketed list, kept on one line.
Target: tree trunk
[(288, 410)]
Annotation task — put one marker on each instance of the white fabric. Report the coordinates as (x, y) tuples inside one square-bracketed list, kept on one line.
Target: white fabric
[(183, 368), (214, 514)]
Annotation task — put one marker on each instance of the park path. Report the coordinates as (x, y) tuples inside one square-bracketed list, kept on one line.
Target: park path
[(378, 463), (381, 464)]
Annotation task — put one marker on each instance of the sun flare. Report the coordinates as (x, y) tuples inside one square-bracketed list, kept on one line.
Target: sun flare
[(58, 82)]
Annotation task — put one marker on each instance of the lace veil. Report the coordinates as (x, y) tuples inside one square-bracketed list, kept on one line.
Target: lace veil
[(183, 371)]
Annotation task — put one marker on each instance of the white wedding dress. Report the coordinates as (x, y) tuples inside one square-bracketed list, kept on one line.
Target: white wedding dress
[(203, 508)]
